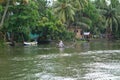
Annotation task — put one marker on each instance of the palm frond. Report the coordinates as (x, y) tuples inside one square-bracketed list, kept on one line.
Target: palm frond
[(83, 25)]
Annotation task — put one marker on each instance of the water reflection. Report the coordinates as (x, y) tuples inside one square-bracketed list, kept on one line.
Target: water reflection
[(61, 50), (87, 61)]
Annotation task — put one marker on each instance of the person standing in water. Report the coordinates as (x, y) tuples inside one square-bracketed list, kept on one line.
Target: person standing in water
[(61, 45)]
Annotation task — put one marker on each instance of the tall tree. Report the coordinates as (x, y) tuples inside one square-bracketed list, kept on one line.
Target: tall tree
[(21, 17), (4, 14), (64, 10), (87, 16), (111, 15), (8, 2)]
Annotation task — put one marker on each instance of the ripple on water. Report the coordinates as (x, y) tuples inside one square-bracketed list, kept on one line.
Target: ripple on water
[(22, 59), (108, 70), (45, 56), (103, 71), (100, 76), (51, 56), (49, 76), (101, 52)]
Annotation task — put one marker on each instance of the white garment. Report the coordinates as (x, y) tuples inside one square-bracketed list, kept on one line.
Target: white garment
[(61, 44)]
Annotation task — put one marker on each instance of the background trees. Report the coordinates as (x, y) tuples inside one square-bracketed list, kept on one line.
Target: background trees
[(65, 11), (110, 15), (19, 18)]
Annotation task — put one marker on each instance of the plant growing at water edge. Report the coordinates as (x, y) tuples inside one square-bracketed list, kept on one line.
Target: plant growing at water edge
[(19, 22)]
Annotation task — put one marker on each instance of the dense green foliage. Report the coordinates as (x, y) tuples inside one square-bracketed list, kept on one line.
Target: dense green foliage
[(19, 18), (110, 15)]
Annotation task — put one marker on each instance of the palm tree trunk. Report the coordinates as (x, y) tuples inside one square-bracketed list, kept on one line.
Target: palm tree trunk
[(22, 37), (108, 33), (4, 14)]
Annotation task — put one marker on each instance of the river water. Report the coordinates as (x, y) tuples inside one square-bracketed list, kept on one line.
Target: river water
[(96, 60)]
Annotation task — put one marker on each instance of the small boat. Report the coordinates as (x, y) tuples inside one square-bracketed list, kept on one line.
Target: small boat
[(30, 43)]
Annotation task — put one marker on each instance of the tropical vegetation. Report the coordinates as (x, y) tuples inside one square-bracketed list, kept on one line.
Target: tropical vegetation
[(52, 19)]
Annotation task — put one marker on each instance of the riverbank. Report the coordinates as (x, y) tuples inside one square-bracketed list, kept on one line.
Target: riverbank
[(55, 42)]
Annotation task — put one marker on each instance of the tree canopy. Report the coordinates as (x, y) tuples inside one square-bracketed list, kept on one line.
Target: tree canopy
[(22, 17)]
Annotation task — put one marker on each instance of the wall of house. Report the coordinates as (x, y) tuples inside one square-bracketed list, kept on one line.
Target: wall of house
[(78, 32)]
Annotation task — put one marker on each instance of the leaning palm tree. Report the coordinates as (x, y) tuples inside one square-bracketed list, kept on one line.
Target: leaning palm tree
[(4, 13), (8, 3)]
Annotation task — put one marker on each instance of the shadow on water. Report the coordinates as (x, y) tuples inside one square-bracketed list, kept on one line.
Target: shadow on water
[(85, 61)]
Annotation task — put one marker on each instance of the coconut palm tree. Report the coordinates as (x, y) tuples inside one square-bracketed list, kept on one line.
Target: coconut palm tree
[(64, 10), (86, 15), (112, 17), (110, 13)]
